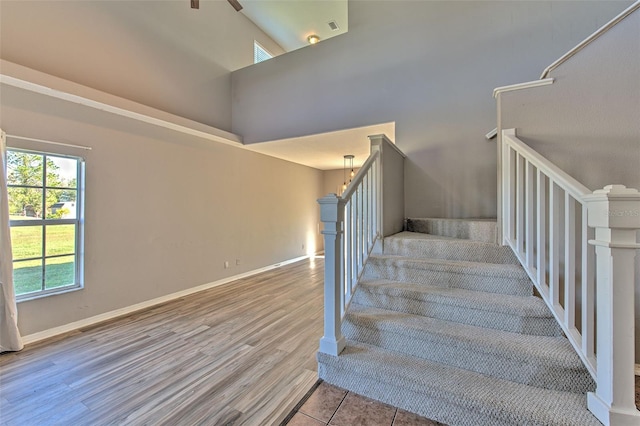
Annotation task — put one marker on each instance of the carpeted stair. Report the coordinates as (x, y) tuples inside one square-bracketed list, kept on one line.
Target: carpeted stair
[(444, 324)]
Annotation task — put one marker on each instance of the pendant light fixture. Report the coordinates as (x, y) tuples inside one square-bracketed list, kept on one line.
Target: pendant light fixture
[(352, 174), (348, 159)]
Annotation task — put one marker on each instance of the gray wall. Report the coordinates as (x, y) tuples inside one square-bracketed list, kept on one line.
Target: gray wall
[(428, 66), (158, 53), (392, 187), (588, 121), (164, 211)]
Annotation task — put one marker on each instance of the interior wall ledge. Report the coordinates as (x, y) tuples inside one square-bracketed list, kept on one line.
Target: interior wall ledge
[(44, 84)]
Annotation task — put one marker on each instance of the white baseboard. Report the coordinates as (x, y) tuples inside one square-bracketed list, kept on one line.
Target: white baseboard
[(45, 334)]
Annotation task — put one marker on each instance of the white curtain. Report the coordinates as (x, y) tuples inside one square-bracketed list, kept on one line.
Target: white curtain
[(10, 339)]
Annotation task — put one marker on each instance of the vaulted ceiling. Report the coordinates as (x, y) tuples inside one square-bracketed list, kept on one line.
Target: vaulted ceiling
[(289, 23), (108, 45)]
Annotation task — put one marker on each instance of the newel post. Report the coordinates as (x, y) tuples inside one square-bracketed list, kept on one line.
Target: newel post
[(614, 212), (332, 216)]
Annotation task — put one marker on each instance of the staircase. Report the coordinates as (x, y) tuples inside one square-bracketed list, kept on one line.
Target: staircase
[(444, 323)]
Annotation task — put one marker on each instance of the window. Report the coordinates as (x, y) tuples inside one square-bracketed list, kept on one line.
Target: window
[(45, 212), (260, 53)]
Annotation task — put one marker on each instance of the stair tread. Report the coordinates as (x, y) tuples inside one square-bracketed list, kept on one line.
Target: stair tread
[(507, 402), (544, 349), (510, 304), (428, 246), (476, 268)]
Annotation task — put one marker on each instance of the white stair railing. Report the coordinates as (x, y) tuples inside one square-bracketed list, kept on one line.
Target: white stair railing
[(354, 224), (578, 247), (351, 228)]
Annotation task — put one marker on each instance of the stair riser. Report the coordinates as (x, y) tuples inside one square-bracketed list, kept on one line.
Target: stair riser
[(537, 326), (458, 354), (484, 231), (397, 271), (451, 250)]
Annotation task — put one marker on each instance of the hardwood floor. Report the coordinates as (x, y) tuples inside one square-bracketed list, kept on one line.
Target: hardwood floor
[(241, 353)]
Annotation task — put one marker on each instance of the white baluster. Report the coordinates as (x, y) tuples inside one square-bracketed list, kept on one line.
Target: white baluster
[(588, 293), (542, 233), (348, 229), (569, 262), (507, 193), (520, 200), (554, 245), (529, 221)]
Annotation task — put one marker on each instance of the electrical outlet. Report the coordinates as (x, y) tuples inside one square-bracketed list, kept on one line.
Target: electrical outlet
[(237, 262), (226, 264)]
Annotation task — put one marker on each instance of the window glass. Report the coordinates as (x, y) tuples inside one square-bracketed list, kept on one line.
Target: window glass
[(45, 217), (260, 53)]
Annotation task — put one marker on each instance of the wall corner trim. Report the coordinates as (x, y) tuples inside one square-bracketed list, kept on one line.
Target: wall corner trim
[(55, 331)]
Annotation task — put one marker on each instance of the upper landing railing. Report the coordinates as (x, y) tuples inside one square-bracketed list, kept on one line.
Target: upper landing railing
[(354, 224), (578, 247)]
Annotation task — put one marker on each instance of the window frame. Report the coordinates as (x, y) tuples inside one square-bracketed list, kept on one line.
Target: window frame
[(43, 222)]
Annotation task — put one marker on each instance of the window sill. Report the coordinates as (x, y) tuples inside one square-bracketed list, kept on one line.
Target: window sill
[(54, 292)]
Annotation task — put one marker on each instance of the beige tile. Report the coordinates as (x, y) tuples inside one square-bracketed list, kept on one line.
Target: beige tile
[(357, 410), (303, 420), (324, 401), (405, 418)]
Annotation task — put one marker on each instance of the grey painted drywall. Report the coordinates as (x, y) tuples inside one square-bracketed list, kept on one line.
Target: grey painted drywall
[(588, 121), (392, 187), (164, 211), (430, 67), (159, 53)]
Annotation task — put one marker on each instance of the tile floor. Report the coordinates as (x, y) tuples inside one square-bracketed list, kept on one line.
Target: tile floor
[(330, 405)]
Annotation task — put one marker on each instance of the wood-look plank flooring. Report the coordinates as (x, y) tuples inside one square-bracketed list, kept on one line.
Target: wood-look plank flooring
[(241, 353)]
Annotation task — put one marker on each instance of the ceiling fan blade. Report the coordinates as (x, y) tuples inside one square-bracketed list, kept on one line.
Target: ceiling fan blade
[(236, 5), (195, 4)]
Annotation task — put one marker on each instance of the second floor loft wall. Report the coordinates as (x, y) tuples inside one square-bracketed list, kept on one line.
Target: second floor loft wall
[(428, 66)]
